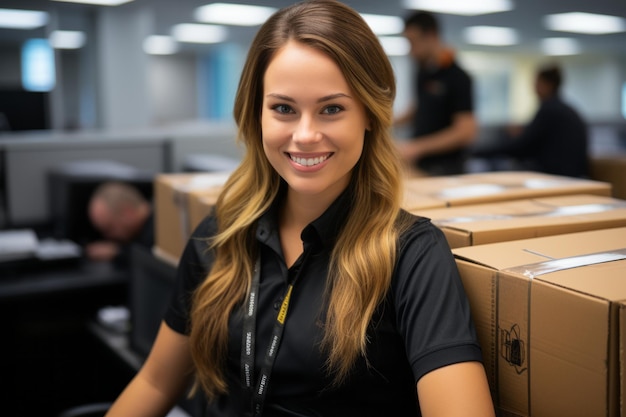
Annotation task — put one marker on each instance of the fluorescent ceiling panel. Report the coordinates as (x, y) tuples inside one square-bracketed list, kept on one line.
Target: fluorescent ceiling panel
[(160, 45), (233, 14), (395, 45), (588, 23), (98, 2), (560, 46), (384, 25), (460, 7), (490, 35), (199, 33), (22, 19), (67, 39)]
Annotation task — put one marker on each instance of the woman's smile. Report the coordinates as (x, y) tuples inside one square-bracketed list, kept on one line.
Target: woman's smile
[(309, 160)]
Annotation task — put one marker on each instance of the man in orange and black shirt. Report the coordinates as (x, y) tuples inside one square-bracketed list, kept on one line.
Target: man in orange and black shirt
[(442, 122)]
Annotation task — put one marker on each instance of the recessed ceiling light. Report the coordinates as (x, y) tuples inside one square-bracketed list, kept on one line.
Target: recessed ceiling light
[(233, 14), (560, 46), (160, 45), (98, 2), (384, 25), (395, 45), (589, 23), (67, 39), (199, 33), (461, 7), (22, 19), (490, 35)]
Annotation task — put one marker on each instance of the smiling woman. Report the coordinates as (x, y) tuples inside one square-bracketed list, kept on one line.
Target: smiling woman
[(309, 291), (313, 128)]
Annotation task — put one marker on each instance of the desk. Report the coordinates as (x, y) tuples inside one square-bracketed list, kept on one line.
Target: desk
[(119, 344), (29, 282), (45, 308)]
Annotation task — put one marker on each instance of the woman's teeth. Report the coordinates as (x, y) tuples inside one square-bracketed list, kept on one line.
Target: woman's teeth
[(308, 162)]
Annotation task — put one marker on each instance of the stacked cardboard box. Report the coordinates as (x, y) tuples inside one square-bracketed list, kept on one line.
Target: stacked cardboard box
[(551, 318), (520, 219), (611, 169), (414, 200), (500, 186), (175, 194)]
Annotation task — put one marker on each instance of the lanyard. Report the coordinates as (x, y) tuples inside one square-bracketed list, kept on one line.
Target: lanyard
[(255, 395)]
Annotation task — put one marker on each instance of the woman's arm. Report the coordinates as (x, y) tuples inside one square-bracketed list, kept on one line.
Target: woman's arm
[(459, 390), (161, 381)]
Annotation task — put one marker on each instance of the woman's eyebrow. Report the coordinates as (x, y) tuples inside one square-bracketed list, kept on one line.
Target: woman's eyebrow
[(281, 97), (332, 97), (320, 100)]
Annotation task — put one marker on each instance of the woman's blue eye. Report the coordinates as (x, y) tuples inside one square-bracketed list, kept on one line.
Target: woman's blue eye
[(282, 108), (332, 109)]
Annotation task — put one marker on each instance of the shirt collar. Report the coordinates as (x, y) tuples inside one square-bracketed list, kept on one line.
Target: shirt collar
[(323, 230)]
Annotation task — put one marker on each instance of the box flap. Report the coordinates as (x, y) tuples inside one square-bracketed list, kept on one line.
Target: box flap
[(463, 189), (527, 213), (506, 255)]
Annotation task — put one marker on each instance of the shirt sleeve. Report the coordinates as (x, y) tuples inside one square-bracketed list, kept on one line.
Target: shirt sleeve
[(195, 264), (462, 91), (432, 309)]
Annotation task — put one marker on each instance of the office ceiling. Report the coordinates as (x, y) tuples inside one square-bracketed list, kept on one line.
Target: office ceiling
[(526, 18)]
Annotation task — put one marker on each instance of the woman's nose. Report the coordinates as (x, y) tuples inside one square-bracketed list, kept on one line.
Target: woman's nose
[(306, 131)]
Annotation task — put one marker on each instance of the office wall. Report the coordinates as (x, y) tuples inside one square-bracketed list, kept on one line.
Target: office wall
[(10, 69), (172, 88), (593, 84), (123, 98)]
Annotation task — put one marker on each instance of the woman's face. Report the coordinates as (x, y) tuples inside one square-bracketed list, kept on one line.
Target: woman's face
[(313, 126)]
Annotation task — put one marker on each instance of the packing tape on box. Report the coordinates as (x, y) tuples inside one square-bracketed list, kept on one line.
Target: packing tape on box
[(479, 190), (553, 265), (562, 211)]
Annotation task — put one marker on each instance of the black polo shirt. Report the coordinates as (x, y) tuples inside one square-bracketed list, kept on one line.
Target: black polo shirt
[(441, 92), (423, 324)]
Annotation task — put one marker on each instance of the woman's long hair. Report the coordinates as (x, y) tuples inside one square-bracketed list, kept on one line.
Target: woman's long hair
[(363, 259)]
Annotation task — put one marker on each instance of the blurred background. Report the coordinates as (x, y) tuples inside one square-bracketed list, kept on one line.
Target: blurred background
[(135, 66), (102, 90)]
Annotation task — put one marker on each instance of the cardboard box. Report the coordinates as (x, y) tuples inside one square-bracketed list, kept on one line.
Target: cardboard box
[(201, 203), (416, 201), (173, 223), (550, 317), (611, 169), (489, 187), (522, 219)]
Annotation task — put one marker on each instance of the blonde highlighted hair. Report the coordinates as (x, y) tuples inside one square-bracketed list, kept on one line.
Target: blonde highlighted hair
[(363, 259)]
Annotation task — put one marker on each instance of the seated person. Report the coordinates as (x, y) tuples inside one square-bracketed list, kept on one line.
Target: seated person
[(555, 140), (123, 216)]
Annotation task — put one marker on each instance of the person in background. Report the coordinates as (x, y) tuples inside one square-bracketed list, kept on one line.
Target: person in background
[(554, 142), (308, 291), (442, 121), (123, 216)]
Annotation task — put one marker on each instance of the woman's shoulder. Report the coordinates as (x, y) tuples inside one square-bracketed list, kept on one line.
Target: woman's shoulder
[(411, 224), (418, 232), (197, 247), (206, 228)]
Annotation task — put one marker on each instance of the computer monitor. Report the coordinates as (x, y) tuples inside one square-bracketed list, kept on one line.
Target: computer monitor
[(23, 110)]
